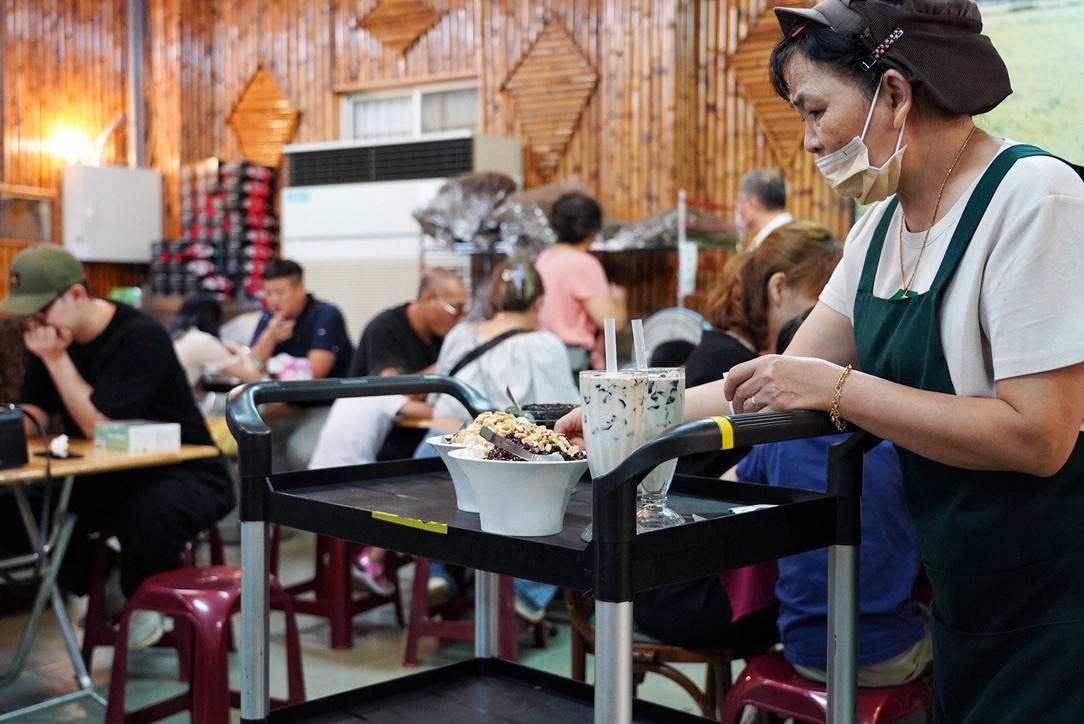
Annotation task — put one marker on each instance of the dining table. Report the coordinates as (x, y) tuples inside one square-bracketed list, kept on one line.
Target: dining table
[(49, 535)]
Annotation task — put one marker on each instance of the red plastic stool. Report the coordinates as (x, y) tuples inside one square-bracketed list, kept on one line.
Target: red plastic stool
[(333, 595), (101, 630), (448, 627), (770, 683), (203, 599)]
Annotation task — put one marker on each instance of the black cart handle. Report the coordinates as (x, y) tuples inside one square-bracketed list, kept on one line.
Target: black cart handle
[(613, 494), (254, 436), (711, 434)]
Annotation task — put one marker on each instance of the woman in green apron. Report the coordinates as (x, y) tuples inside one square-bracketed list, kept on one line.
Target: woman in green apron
[(953, 328)]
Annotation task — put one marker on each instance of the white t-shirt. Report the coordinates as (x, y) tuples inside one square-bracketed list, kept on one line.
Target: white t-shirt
[(355, 430), (199, 352), (1015, 305), (534, 365)]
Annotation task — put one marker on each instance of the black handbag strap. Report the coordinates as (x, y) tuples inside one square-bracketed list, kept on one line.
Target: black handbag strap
[(481, 350)]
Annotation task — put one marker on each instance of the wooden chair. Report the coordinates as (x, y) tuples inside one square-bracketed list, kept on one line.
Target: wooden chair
[(650, 656)]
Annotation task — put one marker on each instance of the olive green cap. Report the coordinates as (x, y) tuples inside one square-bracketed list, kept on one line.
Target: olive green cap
[(37, 275)]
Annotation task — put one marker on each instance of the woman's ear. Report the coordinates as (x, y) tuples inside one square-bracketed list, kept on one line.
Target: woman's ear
[(900, 96), (777, 283)]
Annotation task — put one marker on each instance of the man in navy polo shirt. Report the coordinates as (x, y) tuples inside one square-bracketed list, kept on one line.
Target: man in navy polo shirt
[(313, 334)]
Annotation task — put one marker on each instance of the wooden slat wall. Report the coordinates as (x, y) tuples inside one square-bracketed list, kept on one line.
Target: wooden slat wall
[(728, 141), (63, 66), (667, 112)]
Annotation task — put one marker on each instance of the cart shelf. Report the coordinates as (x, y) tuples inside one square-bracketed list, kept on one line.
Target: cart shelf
[(470, 691), (409, 506)]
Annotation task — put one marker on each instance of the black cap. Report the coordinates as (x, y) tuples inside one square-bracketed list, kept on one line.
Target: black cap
[(936, 42)]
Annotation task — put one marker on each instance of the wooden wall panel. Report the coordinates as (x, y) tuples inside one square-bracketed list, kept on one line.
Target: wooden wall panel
[(728, 139), (64, 68), (668, 112), (452, 48)]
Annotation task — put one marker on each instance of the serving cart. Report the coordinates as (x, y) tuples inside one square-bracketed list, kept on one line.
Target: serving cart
[(409, 506)]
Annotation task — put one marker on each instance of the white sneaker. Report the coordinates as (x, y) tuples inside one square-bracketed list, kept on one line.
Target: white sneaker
[(525, 611), (439, 590), (145, 628)]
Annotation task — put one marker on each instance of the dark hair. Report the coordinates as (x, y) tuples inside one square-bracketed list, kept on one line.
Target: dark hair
[(437, 281), (575, 217), (767, 186), (673, 353), (201, 310), (821, 44), (283, 269), (514, 286), (788, 330), (806, 252)]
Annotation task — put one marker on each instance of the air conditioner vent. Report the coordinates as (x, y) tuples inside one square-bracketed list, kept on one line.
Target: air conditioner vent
[(393, 162)]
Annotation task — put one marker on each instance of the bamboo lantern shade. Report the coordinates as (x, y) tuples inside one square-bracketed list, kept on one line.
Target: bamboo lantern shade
[(264, 120), (549, 88), (399, 23), (782, 127)]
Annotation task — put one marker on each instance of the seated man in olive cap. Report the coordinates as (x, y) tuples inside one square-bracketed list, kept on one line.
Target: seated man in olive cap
[(91, 359)]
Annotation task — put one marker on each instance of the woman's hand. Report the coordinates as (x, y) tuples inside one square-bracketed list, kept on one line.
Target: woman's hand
[(776, 382), (571, 426)]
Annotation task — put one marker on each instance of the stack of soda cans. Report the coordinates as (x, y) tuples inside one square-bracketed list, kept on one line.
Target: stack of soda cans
[(228, 231)]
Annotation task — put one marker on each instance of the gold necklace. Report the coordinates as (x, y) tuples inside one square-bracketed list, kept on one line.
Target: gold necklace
[(926, 237)]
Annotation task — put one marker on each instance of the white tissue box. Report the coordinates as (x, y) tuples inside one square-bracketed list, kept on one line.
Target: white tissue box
[(137, 435)]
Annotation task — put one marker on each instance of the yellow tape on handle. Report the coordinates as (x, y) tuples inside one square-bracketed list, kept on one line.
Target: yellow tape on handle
[(726, 432)]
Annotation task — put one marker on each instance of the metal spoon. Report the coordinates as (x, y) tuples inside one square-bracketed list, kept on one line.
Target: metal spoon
[(508, 391), (488, 433)]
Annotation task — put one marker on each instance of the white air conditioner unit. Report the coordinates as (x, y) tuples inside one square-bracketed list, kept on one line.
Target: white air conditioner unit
[(346, 213)]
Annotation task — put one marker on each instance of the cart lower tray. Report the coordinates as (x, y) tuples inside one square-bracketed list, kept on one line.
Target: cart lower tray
[(476, 690)]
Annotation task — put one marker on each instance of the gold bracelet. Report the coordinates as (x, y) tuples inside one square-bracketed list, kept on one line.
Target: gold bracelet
[(841, 425)]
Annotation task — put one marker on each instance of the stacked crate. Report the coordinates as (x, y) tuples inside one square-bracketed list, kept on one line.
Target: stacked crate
[(228, 231)]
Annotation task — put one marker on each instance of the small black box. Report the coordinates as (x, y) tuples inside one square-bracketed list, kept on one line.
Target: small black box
[(12, 438)]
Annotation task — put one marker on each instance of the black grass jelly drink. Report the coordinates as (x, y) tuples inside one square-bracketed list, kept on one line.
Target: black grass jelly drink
[(613, 406), (664, 409)]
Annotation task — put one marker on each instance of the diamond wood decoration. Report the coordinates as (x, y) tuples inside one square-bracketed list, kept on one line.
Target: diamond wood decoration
[(399, 23), (263, 119), (550, 88), (779, 122)]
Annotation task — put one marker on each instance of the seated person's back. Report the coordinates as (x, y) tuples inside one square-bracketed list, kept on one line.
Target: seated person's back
[(890, 622)]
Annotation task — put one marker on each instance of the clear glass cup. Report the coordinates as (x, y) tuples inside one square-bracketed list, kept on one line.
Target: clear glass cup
[(612, 404), (664, 409)]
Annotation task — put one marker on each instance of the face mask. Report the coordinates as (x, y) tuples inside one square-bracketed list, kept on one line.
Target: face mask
[(850, 174)]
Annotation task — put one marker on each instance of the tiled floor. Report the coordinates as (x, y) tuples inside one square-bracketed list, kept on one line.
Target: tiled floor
[(376, 656)]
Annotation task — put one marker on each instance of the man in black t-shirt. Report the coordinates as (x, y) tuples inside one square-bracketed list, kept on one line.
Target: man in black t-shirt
[(92, 360), (408, 337)]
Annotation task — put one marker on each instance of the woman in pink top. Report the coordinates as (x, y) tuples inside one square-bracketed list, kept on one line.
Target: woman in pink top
[(578, 295)]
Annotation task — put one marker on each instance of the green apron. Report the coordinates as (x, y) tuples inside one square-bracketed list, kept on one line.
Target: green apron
[(1004, 551)]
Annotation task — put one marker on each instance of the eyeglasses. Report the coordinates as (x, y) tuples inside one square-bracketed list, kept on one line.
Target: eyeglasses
[(455, 311), (45, 310)]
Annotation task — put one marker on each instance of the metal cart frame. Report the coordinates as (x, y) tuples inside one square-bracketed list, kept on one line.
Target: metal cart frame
[(609, 572)]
